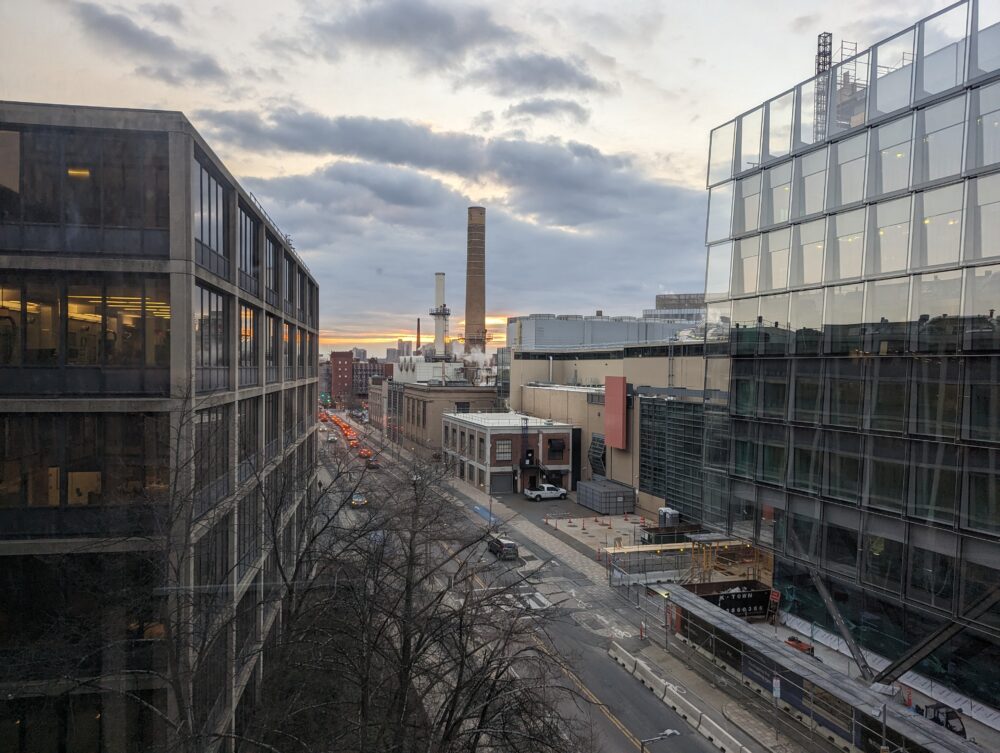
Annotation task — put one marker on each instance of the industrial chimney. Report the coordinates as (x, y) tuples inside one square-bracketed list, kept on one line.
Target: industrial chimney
[(475, 282), (440, 312)]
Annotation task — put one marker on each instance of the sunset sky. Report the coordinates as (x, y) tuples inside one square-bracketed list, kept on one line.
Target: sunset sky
[(367, 128)]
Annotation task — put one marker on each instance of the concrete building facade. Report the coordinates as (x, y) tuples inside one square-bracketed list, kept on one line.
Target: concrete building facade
[(158, 369), (545, 331)]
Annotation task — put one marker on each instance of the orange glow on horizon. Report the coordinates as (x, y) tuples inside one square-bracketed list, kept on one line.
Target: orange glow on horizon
[(496, 324)]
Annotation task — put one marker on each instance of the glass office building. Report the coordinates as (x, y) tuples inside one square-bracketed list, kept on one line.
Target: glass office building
[(853, 292), (158, 383)]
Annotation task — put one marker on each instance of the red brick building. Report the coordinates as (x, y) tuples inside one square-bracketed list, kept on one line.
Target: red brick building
[(341, 376)]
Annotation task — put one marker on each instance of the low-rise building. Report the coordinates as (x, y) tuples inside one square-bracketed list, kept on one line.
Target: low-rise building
[(500, 453), (423, 404)]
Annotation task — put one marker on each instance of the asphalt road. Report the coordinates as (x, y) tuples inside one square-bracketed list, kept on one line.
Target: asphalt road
[(583, 617)]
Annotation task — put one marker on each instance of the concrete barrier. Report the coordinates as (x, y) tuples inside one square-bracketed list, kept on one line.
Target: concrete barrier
[(646, 676), (623, 657), (718, 736), (687, 710)]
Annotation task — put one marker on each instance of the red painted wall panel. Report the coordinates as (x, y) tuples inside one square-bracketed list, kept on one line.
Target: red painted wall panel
[(614, 413)]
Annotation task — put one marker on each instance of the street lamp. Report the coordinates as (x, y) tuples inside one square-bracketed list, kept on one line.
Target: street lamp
[(666, 621), (665, 734)]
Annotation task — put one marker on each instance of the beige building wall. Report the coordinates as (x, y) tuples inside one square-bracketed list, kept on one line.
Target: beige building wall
[(423, 406)]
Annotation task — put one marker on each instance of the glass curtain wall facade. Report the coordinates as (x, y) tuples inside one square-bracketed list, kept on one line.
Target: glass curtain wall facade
[(853, 287), (93, 367)]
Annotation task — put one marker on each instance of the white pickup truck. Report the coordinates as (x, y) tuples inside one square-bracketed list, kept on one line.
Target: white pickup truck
[(545, 491)]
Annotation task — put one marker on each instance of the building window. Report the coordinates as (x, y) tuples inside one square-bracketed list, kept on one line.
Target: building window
[(935, 489), (249, 280), (807, 460), (504, 449), (746, 215), (777, 194), (746, 260), (809, 195), (272, 263), (462, 407), (889, 381), (248, 431), (773, 463), (212, 334), (807, 404), (846, 246), (847, 171), (886, 472), (208, 200), (248, 345), (289, 349), (890, 166), (843, 466), (982, 505), (940, 133), (290, 282), (272, 424), (845, 392), (272, 349), (212, 475), (774, 260), (984, 143), (882, 553)]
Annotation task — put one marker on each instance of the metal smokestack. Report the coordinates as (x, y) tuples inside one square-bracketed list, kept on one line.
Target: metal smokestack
[(418, 334), (475, 282), (440, 313)]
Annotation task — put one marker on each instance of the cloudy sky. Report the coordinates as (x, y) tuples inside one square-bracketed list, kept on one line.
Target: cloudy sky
[(367, 128)]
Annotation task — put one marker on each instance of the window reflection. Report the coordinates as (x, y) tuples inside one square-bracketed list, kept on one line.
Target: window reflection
[(744, 332), (942, 53), (889, 240), (984, 220), (841, 327), (843, 458), (747, 213), (82, 199), (720, 212), (847, 178), (982, 307), (719, 265), (886, 472), (935, 391), (891, 164), (746, 258), (845, 392), (157, 322), (983, 386), (774, 260), (806, 263), (936, 312), (720, 161), (42, 177), (938, 229), (807, 404), (889, 394), (987, 29), (845, 251), (935, 481), (983, 489), (773, 388), (932, 567), (777, 194), (806, 321), (886, 320), (849, 94), (811, 127), (893, 60), (809, 196), (940, 132), (985, 129), (750, 136), (779, 129), (772, 468)]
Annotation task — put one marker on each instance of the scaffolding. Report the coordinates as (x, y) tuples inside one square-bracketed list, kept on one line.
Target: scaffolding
[(824, 58)]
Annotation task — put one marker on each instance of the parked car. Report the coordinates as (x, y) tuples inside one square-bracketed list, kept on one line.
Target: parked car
[(504, 549), (545, 491)]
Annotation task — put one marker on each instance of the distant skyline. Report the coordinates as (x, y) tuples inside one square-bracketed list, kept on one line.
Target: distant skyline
[(367, 128)]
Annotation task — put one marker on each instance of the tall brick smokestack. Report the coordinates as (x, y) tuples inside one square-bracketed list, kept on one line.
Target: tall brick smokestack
[(475, 282)]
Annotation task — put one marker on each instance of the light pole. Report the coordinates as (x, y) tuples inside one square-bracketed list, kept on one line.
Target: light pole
[(666, 621), (663, 735)]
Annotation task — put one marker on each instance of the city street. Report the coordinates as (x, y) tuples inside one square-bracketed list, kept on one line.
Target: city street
[(583, 617)]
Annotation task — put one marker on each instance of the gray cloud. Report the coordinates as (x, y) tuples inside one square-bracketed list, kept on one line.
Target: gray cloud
[(540, 107), (801, 24), (163, 58), (558, 183), (432, 36), (535, 73), (484, 121), (385, 140), (167, 13)]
